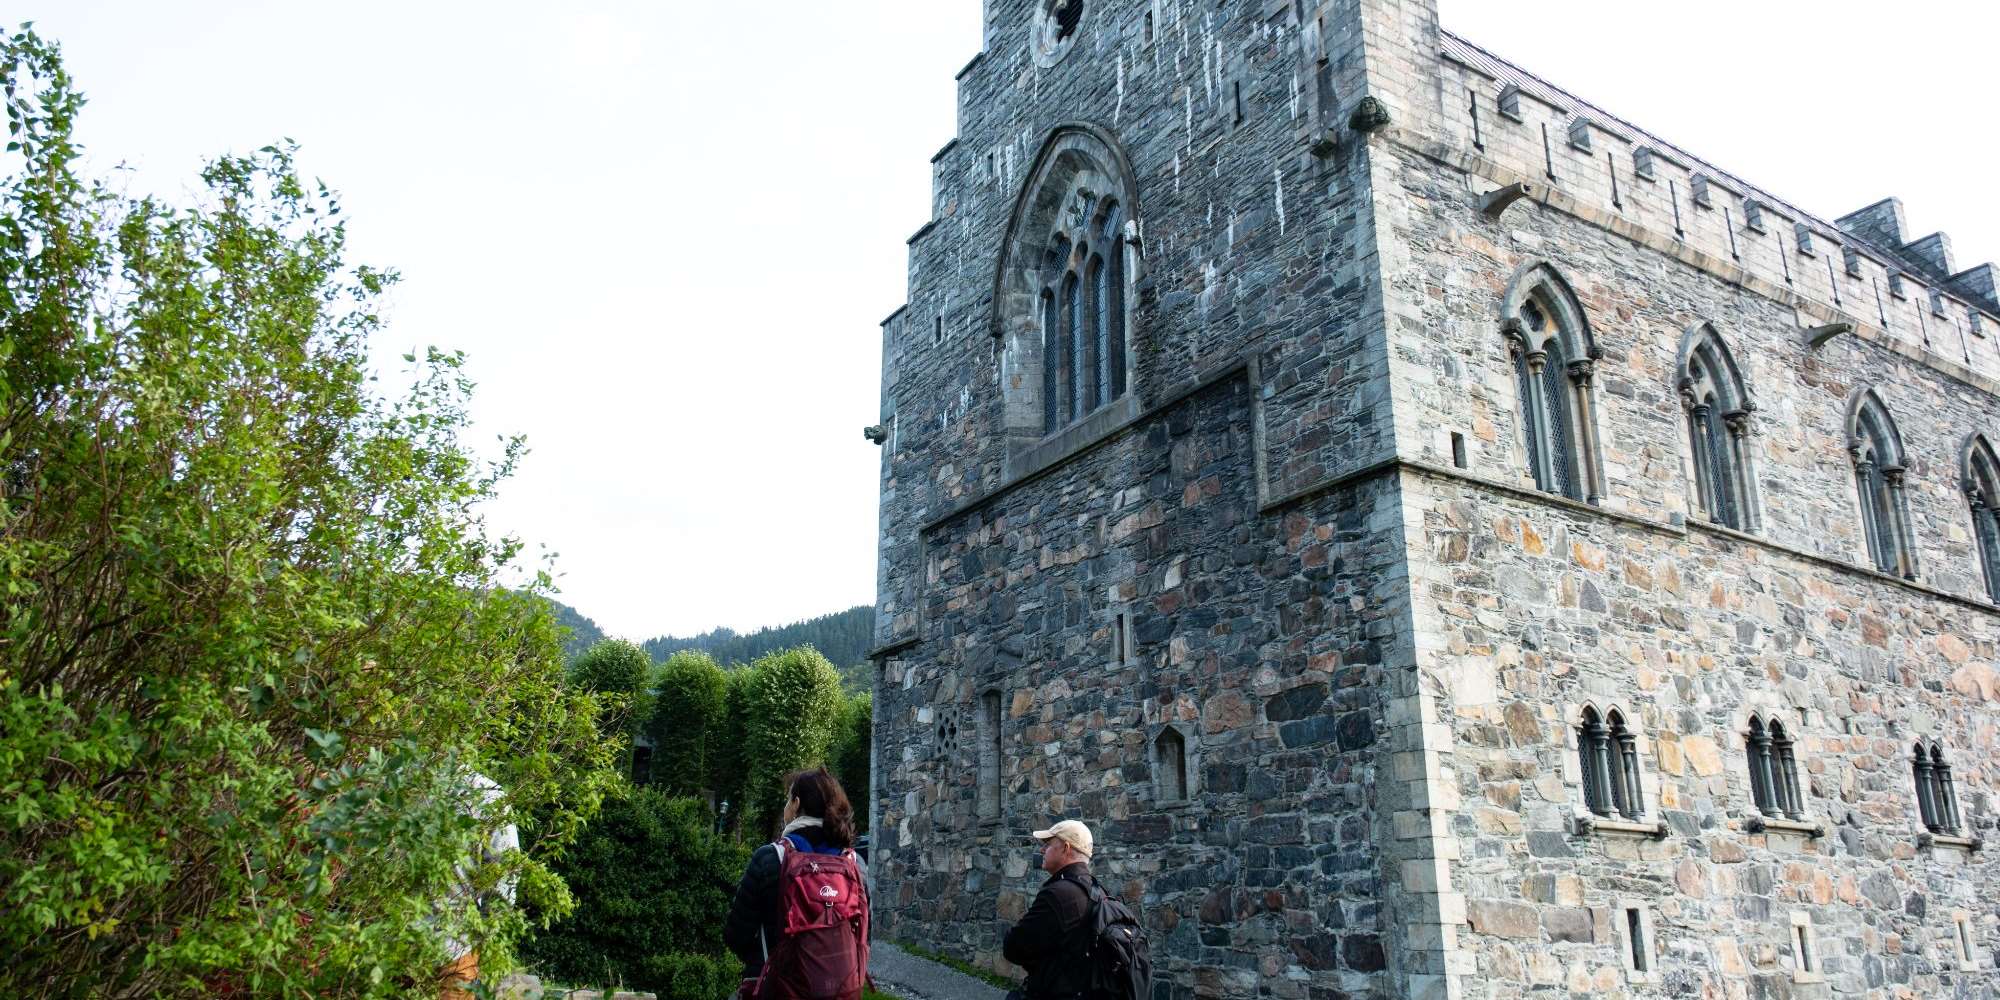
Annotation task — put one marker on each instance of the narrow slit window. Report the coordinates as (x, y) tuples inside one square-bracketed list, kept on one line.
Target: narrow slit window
[(989, 755), (1458, 450), (1170, 766), (1635, 940), (1121, 638), (1805, 948), (1962, 936), (1237, 88)]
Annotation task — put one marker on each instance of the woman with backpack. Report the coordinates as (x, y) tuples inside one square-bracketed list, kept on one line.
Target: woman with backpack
[(799, 920)]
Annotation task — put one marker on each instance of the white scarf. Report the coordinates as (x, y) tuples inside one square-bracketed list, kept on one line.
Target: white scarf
[(799, 824)]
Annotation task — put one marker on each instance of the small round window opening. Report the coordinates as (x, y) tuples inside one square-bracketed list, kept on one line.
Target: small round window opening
[(1055, 30)]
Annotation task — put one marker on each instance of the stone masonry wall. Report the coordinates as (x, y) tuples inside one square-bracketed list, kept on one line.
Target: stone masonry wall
[(1376, 659), (1259, 586), (1527, 607), (1261, 641)]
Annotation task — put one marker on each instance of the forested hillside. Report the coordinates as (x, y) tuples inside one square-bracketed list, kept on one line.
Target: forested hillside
[(583, 633), (842, 637)]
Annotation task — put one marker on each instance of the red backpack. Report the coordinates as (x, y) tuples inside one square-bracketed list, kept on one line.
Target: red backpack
[(822, 949)]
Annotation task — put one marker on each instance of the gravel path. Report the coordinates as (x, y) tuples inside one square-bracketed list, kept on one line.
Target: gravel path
[(905, 975)]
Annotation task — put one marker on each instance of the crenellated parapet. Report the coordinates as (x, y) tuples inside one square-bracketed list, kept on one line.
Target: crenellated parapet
[(1863, 268)]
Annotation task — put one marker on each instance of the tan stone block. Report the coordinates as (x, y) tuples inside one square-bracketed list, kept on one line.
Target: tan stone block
[(1544, 969), (1499, 919), (1953, 649), (1692, 878), (1531, 541), (1227, 711), (1729, 956), (1588, 556), (1976, 681), (1499, 821), (1667, 751), (1703, 756)]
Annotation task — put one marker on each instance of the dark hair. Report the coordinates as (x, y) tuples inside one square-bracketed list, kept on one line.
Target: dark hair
[(819, 794)]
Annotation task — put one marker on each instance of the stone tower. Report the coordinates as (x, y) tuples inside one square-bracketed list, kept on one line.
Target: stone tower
[(1447, 541)]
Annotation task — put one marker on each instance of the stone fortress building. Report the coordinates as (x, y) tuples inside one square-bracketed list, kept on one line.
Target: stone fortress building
[(1449, 542)]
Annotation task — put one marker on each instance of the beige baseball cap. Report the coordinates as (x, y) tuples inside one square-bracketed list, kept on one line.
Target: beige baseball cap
[(1071, 832)]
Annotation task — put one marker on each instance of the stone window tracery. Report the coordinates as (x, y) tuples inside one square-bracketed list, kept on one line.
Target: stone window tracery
[(1937, 795), (1054, 31), (1718, 408), (1609, 753), (1062, 302), (1554, 359), (1877, 450), (1982, 493), (1774, 769)]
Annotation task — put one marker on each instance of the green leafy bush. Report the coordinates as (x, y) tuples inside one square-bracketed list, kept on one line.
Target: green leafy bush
[(620, 671), (848, 757), (791, 708), (253, 643), (654, 882), (690, 713)]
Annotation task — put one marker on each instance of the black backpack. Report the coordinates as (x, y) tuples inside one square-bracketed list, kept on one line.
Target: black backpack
[(1119, 959)]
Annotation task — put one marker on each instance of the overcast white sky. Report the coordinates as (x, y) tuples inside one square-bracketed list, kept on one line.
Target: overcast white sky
[(666, 232)]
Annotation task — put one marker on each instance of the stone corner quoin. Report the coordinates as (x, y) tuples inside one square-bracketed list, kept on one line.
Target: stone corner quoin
[(1446, 541)]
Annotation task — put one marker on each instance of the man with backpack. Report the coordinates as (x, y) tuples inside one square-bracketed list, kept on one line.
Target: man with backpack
[(1075, 941)]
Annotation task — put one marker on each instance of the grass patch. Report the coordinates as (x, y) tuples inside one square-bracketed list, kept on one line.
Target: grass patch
[(869, 993), (961, 965)]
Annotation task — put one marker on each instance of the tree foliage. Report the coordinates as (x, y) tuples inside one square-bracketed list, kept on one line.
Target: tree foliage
[(848, 756), (791, 709), (252, 647), (622, 672), (687, 725), (654, 881), (583, 632), (843, 637)]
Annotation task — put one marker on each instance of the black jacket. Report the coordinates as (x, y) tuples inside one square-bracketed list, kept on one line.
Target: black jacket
[(755, 906), (1052, 936)]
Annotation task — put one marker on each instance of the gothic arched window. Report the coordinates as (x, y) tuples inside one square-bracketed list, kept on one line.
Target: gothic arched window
[(1554, 360), (1718, 408), (1981, 479), (1937, 796), (1774, 769), (1062, 292), (1877, 450), (1609, 752)]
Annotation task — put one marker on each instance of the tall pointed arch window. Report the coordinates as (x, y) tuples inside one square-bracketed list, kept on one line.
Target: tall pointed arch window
[(1982, 494), (1718, 409), (1877, 450), (1062, 293), (1554, 359), (1937, 795)]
